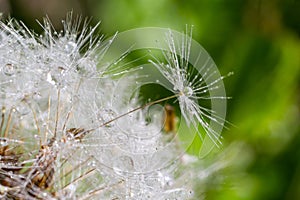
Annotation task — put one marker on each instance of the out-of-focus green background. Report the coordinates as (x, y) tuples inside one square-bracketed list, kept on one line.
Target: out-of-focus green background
[(259, 40)]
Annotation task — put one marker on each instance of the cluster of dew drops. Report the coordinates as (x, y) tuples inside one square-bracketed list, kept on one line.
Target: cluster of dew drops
[(56, 99)]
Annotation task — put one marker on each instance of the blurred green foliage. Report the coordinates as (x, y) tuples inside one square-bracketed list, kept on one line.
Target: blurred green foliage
[(259, 41)]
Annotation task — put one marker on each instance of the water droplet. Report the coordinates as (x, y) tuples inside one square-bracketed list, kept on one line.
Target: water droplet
[(37, 137), (123, 164), (23, 110), (187, 91), (106, 115), (70, 46), (36, 95), (9, 69), (86, 66), (3, 142), (31, 43), (119, 139), (50, 79), (180, 193), (56, 77), (230, 73)]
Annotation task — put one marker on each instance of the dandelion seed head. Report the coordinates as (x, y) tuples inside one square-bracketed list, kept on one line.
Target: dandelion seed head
[(70, 129), (40, 79)]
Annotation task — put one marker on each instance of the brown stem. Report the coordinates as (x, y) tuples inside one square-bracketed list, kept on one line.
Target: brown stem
[(138, 108)]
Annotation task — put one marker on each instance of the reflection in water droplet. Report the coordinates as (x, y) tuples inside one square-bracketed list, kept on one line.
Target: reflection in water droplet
[(9, 69)]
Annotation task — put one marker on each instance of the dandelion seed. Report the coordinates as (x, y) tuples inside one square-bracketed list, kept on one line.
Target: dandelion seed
[(189, 85)]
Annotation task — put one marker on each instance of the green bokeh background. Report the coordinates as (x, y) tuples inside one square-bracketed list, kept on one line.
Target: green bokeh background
[(259, 40)]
